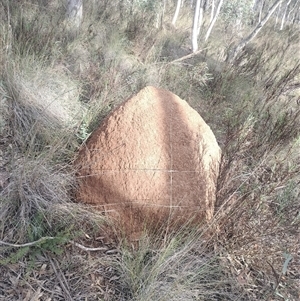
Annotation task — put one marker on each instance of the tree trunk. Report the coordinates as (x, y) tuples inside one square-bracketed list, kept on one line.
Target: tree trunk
[(195, 27), (176, 12), (160, 15), (260, 10), (284, 14), (201, 12), (213, 21), (255, 5), (231, 56), (212, 11), (277, 15), (74, 12)]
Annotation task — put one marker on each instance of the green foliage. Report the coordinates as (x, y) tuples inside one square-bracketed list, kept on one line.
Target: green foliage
[(53, 246), (47, 238), (15, 256), (147, 5), (83, 132), (142, 6), (237, 11)]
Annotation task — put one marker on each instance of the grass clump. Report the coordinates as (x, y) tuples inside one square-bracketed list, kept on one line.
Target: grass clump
[(260, 171), (176, 266)]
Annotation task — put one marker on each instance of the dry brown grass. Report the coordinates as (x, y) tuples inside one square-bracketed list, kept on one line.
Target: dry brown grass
[(259, 182)]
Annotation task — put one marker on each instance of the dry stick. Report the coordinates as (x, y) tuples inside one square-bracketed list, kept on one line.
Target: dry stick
[(27, 244), (183, 58), (276, 276), (87, 248), (186, 56), (50, 238)]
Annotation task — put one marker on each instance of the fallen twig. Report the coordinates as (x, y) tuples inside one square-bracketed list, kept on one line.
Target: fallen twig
[(186, 56), (84, 248), (87, 248), (27, 244)]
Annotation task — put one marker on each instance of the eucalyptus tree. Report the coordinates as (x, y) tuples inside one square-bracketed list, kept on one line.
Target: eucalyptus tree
[(232, 53), (214, 19), (285, 13), (239, 12), (261, 10), (179, 4), (161, 14), (195, 26), (201, 13), (277, 14), (74, 12), (212, 10)]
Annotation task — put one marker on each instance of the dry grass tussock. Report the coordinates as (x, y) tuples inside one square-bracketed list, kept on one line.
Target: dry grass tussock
[(56, 86), (259, 183)]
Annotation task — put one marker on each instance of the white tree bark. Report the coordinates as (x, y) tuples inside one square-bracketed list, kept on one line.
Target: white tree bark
[(255, 4), (195, 27), (212, 11), (160, 15), (201, 12), (260, 10), (213, 21), (176, 12), (284, 14), (74, 12), (233, 54), (277, 15)]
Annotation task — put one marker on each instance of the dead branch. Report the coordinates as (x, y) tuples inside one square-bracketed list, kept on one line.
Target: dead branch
[(186, 56), (27, 244), (87, 248), (84, 248)]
